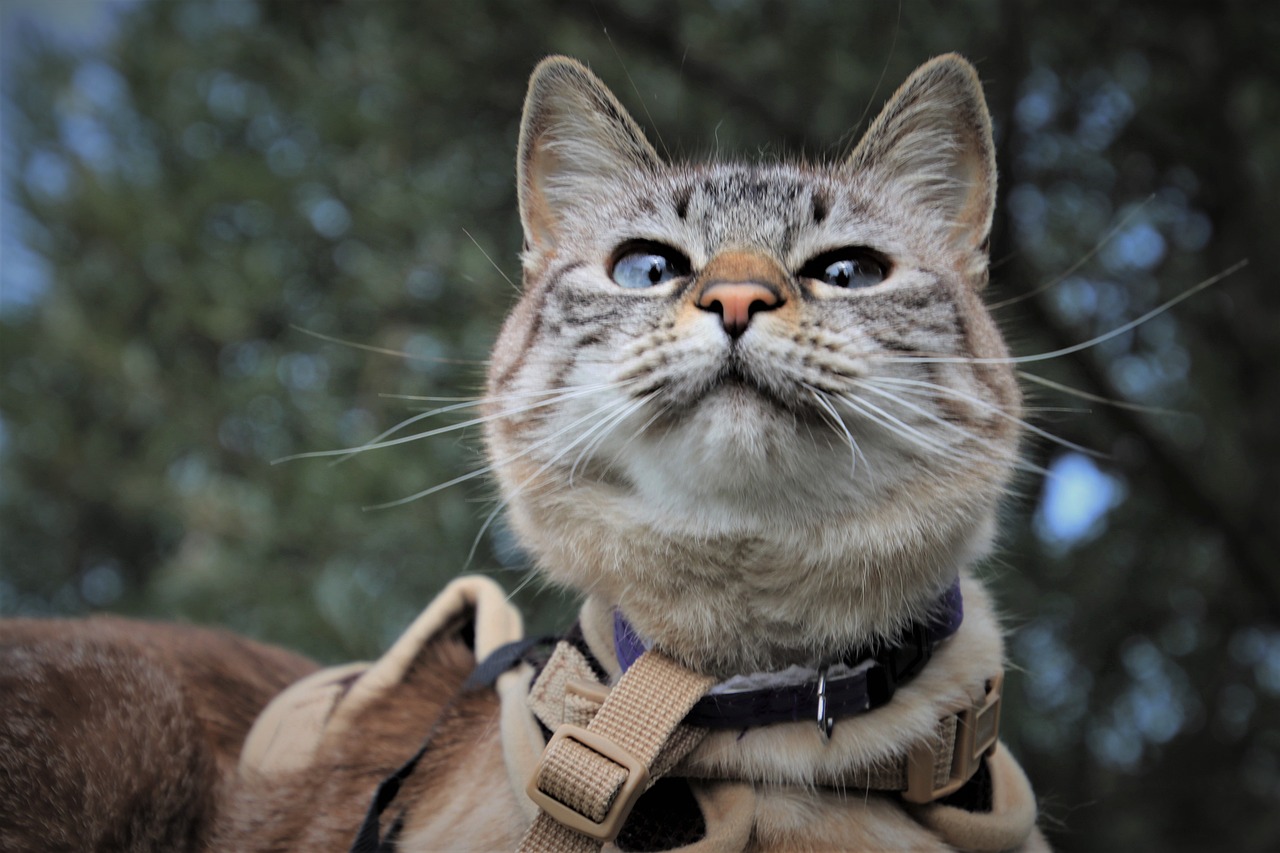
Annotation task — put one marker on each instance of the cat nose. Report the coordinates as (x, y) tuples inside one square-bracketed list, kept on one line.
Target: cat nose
[(737, 302)]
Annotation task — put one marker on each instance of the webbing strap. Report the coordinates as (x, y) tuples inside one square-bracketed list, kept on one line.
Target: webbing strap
[(500, 660), (589, 778)]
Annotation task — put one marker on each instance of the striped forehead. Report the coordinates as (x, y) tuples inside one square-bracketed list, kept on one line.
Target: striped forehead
[(750, 206)]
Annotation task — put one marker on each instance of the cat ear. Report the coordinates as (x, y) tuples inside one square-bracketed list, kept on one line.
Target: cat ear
[(933, 141), (574, 135)]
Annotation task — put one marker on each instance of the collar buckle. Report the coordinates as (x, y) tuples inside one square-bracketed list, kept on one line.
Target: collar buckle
[(825, 721), (977, 734)]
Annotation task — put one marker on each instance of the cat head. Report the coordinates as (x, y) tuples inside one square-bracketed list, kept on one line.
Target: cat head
[(764, 399)]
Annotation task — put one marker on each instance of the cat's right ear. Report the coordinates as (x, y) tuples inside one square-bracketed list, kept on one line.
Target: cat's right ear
[(574, 137)]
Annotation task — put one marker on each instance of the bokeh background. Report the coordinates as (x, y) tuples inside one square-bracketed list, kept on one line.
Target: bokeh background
[(235, 231)]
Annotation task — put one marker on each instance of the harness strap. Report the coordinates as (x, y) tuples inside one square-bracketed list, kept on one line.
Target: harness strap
[(370, 838), (502, 659), (588, 779), (567, 692)]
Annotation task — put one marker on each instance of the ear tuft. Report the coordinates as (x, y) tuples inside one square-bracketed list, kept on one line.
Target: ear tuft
[(933, 140), (574, 135)]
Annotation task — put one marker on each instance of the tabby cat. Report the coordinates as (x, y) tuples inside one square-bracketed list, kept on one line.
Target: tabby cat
[(757, 412), (782, 423)]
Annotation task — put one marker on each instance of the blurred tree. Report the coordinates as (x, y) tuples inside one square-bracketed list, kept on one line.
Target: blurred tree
[(230, 189)]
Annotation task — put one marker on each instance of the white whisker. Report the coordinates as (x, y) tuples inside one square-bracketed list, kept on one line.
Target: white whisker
[(408, 356), (493, 466), (1074, 348), (927, 388), (1094, 398), (378, 442), (498, 398), (532, 576), (491, 261), (838, 422), (904, 430), (519, 488), (965, 435), (644, 426), (1081, 261), (419, 398), (609, 424)]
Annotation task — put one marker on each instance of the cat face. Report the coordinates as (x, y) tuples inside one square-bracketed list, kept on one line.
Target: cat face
[(720, 355)]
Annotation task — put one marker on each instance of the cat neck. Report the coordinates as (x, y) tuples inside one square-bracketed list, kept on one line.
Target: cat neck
[(612, 632), (793, 595)]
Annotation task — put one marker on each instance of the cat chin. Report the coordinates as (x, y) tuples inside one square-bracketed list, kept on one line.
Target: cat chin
[(692, 566), (754, 465)]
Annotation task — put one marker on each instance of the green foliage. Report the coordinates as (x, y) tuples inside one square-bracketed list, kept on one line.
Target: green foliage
[(226, 189)]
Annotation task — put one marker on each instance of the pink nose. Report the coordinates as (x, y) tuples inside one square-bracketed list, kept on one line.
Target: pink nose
[(737, 302)]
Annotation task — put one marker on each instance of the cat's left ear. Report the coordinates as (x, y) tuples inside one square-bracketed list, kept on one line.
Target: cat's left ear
[(574, 138), (933, 142)]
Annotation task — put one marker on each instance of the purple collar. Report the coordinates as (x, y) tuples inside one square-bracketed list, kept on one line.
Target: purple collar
[(862, 680)]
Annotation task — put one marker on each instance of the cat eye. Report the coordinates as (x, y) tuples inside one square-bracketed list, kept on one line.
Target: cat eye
[(638, 265), (848, 267)]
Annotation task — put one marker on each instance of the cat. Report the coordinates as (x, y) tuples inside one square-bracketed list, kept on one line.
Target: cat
[(808, 479), (758, 415)]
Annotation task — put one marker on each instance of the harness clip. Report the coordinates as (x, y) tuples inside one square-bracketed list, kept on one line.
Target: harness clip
[(573, 781)]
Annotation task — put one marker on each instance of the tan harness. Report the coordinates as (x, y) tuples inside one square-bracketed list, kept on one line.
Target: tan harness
[(610, 745), (590, 776)]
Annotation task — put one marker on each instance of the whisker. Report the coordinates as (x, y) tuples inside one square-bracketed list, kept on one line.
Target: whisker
[(965, 434), (1084, 259), (493, 466), (644, 426), (519, 489), (491, 261), (627, 72), (420, 398), (1069, 410), (609, 424), (469, 402), (1094, 398), (837, 422), (532, 576), (378, 443), (933, 388), (383, 350), (484, 398), (1074, 348), (904, 430)]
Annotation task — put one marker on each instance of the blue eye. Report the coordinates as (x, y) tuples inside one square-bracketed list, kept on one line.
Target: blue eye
[(648, 265), (848, 268)]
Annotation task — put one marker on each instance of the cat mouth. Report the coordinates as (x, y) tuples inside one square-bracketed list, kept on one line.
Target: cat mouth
[(733, 380)]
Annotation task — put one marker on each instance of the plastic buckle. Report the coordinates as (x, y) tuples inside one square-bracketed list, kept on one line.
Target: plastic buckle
[(637, 782), (977, 734), (592, 691)]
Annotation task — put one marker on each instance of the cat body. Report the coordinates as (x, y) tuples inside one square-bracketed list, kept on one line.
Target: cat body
[(761, 413)]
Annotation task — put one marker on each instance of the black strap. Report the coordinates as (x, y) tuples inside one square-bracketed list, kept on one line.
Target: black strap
[(370, 838), (845, 696), (500, 660)]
